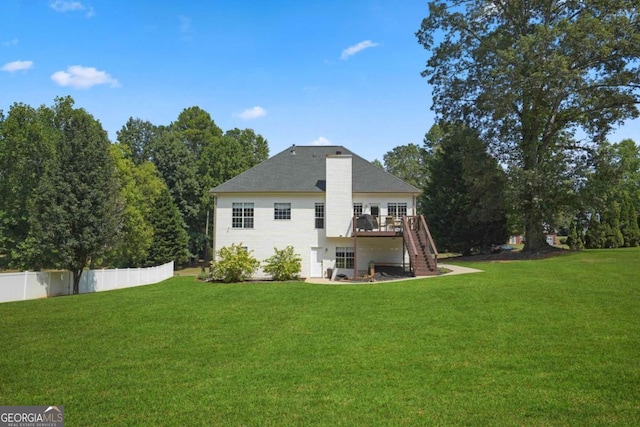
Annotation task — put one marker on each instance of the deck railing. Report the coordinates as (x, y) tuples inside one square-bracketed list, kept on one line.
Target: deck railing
[(410, 242), (432, 251), (382, 223)]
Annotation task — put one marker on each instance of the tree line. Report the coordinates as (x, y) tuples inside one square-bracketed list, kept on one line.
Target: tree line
[(70, 198), (470, 199), (525, 94)]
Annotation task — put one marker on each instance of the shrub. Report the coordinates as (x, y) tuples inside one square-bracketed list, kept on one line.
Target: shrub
[(284, 265), (235, 264), (574, 239)]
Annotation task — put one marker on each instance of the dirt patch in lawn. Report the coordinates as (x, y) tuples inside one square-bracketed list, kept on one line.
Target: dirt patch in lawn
[(514, 255)]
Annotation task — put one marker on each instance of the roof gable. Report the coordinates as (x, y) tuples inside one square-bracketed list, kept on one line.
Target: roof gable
[(302, 169)]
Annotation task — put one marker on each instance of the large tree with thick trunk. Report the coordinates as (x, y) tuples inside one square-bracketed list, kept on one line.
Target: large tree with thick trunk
[(543, 80)]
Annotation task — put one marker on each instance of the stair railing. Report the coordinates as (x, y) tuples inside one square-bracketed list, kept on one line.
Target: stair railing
[(411, 244), (432, 251)]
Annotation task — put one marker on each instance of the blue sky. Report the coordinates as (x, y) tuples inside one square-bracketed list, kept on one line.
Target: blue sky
[(297, 72)]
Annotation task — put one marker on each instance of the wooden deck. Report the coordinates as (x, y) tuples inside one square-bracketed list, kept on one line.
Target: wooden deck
[(378, 233), (384, 227), (416, 239)]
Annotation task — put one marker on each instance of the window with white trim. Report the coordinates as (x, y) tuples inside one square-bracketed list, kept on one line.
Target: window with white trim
[(357, 210), (282, 211), (397, 210), (242, 215), (344, 257), (319, 215)]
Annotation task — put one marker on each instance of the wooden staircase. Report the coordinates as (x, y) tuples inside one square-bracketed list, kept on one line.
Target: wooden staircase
[(423, 255)]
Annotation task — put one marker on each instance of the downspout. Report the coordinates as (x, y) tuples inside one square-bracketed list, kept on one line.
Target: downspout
[(355, 248), (214, 221)]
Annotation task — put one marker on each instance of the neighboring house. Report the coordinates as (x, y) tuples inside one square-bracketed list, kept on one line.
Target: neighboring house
[(341, 214), (552, 239)]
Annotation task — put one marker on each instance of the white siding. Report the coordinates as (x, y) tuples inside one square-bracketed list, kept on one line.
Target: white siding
[(300, 231), (339, 208), (267, 233)]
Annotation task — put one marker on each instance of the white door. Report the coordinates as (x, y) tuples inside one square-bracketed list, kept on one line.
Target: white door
[(315, 269)]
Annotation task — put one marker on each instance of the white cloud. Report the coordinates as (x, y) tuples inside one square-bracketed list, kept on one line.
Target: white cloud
[(80, 77), (66, 6), (321, 141), (71, 6), (253, 113), (352, 50), (13, 42), (17, 66)]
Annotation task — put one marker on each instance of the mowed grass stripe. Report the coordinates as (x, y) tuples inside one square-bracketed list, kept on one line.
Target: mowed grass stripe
[(548, 342)]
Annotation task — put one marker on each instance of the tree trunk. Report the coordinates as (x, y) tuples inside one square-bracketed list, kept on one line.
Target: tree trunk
[(76, 281), (534, 237), (534, 183)]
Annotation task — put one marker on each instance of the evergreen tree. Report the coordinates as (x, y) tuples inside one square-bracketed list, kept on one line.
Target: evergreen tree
[(611, 223), (464, 202), (629, 224), (574, 239), (595, 235), (170, 240)]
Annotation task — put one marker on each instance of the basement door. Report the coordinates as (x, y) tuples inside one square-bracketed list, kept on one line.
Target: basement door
[(315, 269)]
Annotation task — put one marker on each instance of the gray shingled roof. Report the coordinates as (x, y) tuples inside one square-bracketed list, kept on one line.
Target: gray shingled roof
[(305, 172)]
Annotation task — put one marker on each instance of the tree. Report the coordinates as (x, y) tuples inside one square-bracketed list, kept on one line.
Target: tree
[(464, 201), (26, 148), (140, 187), (574, 239), (178, 168), (377, 163), (612, 191), (629, 224), (170, 239), (529, 75), (255, 149), (611, 219), (407, 162), (75, 204), (196, 129), (137, 135), (595, 236)]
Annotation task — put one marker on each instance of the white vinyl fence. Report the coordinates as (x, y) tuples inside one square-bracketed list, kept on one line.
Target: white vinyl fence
[(33, 285)]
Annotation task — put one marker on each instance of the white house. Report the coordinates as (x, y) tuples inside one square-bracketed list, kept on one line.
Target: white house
[(341, 213)]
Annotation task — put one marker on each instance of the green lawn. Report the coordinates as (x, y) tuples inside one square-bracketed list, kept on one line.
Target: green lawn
[(543, 343)]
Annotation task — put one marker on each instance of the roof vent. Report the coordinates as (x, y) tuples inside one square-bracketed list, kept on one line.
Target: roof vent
[(293, 150), (338, 152)]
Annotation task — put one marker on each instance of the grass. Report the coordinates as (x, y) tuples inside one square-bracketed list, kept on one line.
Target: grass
[(548, 342)]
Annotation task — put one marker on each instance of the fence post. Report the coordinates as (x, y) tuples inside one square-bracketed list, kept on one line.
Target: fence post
[(24, 292)]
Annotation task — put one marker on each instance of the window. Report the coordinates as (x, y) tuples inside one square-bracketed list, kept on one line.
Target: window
[(344, 257), (282, 211), (357, 210), (397, 209), (319, 215), (242, 215)]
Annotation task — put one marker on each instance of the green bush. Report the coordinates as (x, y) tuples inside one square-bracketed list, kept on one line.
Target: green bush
[(235, 264), (574, 239), (284, 265)]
